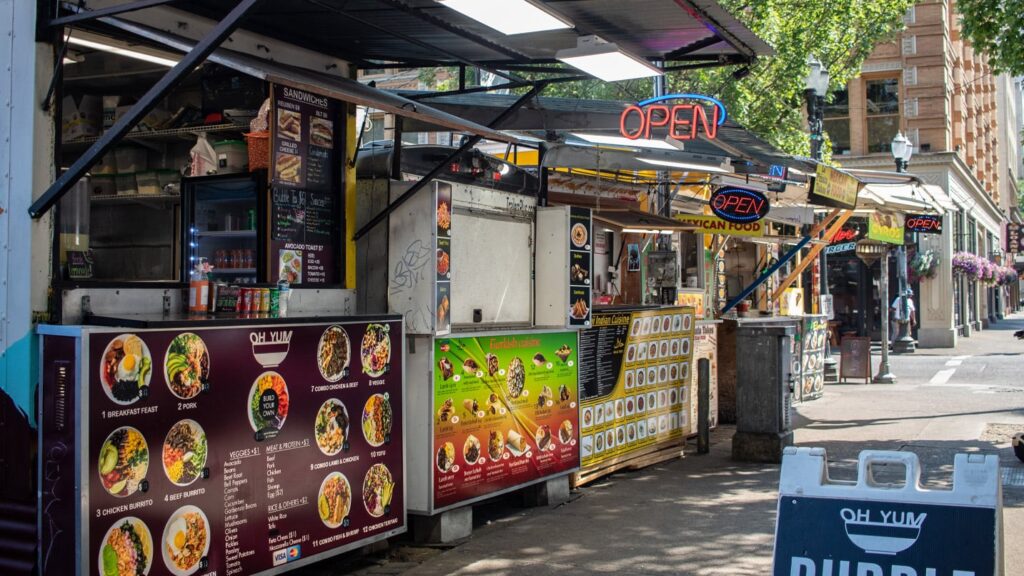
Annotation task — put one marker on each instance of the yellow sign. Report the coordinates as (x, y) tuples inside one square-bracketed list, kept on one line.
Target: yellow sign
[(636, 395), (693, 300), (886, 227), (834, 188), (715, 225)]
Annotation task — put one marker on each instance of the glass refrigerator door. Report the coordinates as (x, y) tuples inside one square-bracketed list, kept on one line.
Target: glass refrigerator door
[(225, 216)]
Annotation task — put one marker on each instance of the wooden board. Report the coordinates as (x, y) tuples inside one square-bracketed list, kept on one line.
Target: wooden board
[(855, 358), (632, 462)]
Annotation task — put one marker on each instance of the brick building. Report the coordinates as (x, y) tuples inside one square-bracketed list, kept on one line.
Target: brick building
[(963, 120)]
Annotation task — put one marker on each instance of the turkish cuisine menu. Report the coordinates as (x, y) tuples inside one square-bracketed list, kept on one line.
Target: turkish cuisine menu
[(505, 413), (635, 377), (237, 450)]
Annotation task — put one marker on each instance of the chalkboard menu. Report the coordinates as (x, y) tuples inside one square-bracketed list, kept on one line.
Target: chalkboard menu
[(855, 358), (305, 191)]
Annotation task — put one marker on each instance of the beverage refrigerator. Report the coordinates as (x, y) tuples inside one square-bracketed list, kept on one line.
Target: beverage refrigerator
[(225, 218)]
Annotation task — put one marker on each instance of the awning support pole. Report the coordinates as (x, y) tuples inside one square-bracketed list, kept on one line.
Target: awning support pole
[(146, 103), (436, 171), (812, 255), (786, 258), (767, 274)]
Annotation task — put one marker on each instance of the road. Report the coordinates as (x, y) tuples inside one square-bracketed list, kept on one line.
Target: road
[(708, 515)]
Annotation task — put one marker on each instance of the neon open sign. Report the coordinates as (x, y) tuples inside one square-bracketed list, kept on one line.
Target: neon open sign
[(681, 120), (739, 204)]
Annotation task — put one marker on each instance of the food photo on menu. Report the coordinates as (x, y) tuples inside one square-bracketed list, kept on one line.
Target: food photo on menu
[(321, 132), (288, 167), (126, 369), (290, 266), (289, 124)]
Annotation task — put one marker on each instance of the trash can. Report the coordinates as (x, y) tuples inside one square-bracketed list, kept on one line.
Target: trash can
[(764, 389)]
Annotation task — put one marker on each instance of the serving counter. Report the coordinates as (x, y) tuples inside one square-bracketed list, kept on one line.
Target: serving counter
[(176, 446)]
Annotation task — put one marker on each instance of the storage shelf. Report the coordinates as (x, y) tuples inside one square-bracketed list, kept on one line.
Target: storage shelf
[(233, 271), (227, 234), (137, 199), (170, 133)]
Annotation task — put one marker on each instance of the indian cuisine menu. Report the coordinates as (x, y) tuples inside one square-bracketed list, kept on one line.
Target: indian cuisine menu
[(635, 376), (505, 413), (237, 450)]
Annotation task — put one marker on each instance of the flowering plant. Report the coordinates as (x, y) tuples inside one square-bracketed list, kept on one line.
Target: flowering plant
[(924, 265), (1007, 275), (967, 264)]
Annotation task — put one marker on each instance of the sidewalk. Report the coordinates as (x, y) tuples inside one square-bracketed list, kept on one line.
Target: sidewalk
[(708, 515)]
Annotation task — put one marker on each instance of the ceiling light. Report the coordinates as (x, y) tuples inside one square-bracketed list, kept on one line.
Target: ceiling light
[(645, 231), (126, 52), (684, 165), (604, 60), (508, 16), (621, 141)]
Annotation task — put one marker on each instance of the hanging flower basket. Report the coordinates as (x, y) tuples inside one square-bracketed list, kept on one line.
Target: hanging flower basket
[(924, 265), (967, 265)]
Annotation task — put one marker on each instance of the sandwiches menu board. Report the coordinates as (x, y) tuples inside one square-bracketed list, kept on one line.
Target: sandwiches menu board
[(240, 450), (305, 205), (635, 383), (505, 413)]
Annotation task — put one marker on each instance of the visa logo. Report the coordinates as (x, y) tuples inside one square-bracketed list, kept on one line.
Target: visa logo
[(280, 556)]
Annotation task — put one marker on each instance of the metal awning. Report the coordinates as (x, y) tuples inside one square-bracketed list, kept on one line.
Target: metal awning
[(564, 116), (414, 33), (334, 87), (619, 213)]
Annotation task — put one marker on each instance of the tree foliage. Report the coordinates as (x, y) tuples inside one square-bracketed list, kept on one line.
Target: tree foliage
[(996, 27), (840, 33), (769, 101)]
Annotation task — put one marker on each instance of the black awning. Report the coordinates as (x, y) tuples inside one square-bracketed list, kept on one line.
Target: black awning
[(331, 86), (424, 32)]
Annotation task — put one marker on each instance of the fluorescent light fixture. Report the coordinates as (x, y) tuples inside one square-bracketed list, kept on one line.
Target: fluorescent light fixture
[(684, 165), (604, 60), (112, 48), (508, 16), (645, 231), (625, 142)]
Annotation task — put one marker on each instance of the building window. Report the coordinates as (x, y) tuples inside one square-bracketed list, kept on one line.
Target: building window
[(882, 109), (837, 122)]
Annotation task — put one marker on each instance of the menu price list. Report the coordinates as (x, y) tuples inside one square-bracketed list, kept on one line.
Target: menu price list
[(303, 236), (637, 391), (506, 413), (580, 266), (443, 245), (810, 362), (237, 450)]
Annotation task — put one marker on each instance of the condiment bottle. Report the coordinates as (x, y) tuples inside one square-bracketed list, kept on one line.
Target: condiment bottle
[(199, 288)]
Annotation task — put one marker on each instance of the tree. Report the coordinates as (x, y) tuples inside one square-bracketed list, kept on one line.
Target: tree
[(769, 101), (995, 27)]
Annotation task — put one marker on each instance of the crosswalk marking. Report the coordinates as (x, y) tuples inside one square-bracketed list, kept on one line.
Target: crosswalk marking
[(942, 376)]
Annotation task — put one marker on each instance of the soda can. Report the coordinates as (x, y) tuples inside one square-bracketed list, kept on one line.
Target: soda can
[(275, 302), (264, 300), (248, 294)]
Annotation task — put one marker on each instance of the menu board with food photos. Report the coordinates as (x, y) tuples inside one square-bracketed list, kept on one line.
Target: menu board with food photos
[(635, 371), (443, 291), (240, 450), (580, 266), (505, 413), (811, 356), (305, 206)]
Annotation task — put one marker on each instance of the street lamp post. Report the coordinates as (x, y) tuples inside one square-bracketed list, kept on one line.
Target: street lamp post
[(902, 150), (815, 89), (870, 252)]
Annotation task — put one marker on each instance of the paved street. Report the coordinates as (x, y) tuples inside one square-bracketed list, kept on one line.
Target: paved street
[(708, 515)]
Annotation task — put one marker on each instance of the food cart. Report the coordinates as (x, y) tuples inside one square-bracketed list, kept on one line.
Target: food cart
[(172, 446), (493, 289), (186, 429)]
